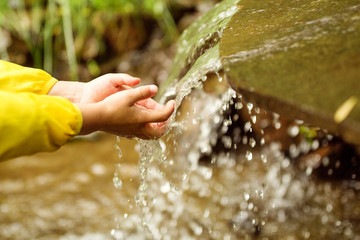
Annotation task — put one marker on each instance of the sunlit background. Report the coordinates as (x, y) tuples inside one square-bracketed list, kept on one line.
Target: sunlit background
[(79, 40)]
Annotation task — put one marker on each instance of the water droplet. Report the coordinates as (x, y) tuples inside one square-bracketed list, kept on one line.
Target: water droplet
[(239, 105), (98, 169), (252, 142), (324, 219), (197, 229), (306, 234), (206, 172), (248, 155), (118, 234), (260, 192), (227, 141), (219, 77), (249, 107), (329, 207), (293, 131), (165, 188), (162, 145), (251, 206), (253, 119), (246, 196), (224, 200), (263, 158), (227, 122), (337, 164), (294, 151), (277, 125), (309, 171), (206, 213), (216, 119), (285, 163), (236, 117), (119, 151), (247, 127), (117, 182), (315, 145)]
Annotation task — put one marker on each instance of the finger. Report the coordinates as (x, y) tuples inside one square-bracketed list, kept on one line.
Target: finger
[(150, 104), (141, 93), (152, 130), (120, 79), (156, 115)]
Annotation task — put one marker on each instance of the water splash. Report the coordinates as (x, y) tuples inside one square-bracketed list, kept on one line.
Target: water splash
[(200, 36), (212, 176), (116, 179)]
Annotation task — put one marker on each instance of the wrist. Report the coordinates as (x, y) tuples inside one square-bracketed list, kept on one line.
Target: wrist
[(69, 90), (92, 117)]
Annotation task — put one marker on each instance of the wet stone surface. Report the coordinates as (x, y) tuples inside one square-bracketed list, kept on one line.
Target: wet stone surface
[(298, 58), (200, 36)]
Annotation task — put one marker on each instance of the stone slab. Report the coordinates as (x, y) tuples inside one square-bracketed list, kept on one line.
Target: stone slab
[(299, 58)]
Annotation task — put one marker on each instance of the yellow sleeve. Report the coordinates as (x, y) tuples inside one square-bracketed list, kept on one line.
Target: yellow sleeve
[(31, 123), (15, 78)]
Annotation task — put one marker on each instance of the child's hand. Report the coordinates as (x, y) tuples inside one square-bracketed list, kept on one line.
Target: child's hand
[(106, 85), (129, 113), (95, 90), (108, 103)]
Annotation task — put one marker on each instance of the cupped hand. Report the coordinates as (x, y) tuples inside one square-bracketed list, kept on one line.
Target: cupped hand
[(106, 85), (128, 113), (109, 103)]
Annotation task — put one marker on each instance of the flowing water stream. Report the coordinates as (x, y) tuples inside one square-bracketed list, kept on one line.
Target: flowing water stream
[(213, 176)]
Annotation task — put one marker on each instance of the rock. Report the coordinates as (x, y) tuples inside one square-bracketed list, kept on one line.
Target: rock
[(298, 58)]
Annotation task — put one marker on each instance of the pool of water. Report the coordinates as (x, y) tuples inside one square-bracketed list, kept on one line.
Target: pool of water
[(70, 194)]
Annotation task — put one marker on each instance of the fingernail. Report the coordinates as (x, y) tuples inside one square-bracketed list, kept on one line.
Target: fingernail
[(171, 102), (153, 88), (136, 79)]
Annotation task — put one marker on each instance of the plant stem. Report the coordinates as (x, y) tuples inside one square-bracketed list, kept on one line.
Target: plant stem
[(69, 39), (3, 47), (48, 36)]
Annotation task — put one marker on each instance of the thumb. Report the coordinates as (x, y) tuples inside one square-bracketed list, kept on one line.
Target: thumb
[(141, 93), (159, 115)]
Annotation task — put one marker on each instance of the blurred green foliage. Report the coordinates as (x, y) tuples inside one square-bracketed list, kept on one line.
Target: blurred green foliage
[(310, 133), (50, 27)]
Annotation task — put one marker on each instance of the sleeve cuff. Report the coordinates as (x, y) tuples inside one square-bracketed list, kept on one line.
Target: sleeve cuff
[(48, 85)]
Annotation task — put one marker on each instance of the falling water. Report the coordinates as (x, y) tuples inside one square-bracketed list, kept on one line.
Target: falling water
[(192, 189), (216, 174), (206, 180)]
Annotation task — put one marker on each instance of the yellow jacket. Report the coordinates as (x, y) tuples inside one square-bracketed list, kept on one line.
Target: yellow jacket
[(30, 120)]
